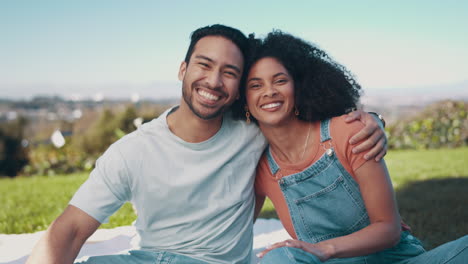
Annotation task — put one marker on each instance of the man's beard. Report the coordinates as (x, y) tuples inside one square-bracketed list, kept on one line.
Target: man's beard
[(188, 101)]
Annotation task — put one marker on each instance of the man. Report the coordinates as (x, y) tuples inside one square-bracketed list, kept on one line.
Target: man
[(188, 173)]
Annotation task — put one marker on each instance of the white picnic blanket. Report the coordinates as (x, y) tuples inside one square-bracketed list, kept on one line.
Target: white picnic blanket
[(15, 249)]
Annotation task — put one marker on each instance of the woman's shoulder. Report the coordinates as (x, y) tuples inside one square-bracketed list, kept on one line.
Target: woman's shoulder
[(340, 128), (341, 132)]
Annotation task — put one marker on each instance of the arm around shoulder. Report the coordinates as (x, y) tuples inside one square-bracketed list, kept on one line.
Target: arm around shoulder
[(64, 238)]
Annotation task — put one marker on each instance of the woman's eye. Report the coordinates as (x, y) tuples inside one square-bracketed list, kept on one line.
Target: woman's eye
[(280, 81)]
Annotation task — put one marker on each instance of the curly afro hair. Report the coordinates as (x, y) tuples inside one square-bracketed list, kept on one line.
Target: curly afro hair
[(323, 87)]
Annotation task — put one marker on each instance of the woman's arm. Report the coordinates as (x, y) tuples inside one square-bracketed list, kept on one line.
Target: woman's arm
[(259, 201), (384, 230)]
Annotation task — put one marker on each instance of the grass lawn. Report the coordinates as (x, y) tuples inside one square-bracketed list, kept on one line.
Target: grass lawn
[(430, 187)]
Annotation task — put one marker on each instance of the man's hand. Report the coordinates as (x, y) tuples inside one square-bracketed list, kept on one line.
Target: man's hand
[(373, 135)]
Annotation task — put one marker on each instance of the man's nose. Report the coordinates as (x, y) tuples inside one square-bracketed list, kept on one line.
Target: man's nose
[(214, 80)]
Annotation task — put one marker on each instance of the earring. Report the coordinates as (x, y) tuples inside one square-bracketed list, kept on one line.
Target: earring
[(247, 115), (296, 111)]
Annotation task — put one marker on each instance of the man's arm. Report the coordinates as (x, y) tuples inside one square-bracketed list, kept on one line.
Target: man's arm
[(64, 238), (371, 138)]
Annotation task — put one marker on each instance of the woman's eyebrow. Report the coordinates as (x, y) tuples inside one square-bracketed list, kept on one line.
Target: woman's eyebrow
[(280, 73), (254, 79)]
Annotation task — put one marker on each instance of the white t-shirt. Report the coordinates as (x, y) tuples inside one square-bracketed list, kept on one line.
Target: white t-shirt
[(194, 199)]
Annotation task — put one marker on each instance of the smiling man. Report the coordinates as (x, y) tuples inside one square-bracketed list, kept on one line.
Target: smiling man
[(189, 173), (220, 59)]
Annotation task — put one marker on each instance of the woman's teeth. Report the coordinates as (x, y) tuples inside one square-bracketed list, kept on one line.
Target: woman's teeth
[(267, 106)]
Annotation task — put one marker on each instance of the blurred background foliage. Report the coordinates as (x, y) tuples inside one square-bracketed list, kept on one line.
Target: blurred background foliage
[(85, 140), (442, 124)]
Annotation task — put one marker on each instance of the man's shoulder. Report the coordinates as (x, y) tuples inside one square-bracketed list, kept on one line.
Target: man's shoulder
[(241, 124), (136, 141)]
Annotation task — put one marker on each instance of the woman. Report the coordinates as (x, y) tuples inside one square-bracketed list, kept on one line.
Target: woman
[(337, 206)]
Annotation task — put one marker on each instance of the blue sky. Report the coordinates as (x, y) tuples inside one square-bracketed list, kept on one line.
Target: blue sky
[(82, 47)]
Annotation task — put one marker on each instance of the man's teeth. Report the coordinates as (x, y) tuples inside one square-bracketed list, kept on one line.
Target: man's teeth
[(208, 95), (271, 105)]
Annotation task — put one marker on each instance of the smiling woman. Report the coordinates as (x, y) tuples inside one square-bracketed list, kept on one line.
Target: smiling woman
[(270, 91), (331, 200)]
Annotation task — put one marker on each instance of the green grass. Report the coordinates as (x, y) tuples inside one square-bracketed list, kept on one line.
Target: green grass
[(431, 188), (30, 204)]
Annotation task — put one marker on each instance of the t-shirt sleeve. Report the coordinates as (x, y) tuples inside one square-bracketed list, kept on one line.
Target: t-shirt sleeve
[(341, 133), (107, 187)]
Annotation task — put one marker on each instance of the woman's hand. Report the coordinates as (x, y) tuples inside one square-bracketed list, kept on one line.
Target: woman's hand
[(321, 251), (373, 135)]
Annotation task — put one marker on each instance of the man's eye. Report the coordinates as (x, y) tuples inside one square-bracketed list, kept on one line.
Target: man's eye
[(203, 64), (231, 74)]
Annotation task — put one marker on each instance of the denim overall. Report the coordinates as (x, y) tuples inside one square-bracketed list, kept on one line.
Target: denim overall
[(325, 202)]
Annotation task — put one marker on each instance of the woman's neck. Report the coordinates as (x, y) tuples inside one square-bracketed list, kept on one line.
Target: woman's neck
[(290, 142)]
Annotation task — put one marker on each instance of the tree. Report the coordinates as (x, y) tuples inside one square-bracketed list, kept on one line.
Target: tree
[(13, 154)]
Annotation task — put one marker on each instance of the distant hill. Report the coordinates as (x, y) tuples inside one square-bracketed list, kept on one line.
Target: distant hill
[(395, 103)]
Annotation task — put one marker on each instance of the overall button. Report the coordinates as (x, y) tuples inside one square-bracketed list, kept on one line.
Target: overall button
[(329, 152)]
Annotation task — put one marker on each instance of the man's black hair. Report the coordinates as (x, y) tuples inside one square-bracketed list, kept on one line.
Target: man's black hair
[(232, 34)]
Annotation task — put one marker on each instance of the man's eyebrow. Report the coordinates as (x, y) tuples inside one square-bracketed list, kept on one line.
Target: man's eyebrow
[(204, 58), (234, 67), (230, 66)]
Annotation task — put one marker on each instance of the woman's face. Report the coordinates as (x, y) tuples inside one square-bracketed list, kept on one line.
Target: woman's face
[(270, 92)]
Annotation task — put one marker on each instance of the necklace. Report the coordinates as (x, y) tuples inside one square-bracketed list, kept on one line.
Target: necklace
[(305, 144), (278, 175), (307, 141)]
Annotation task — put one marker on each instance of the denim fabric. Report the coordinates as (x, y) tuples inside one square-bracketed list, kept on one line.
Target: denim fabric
[(325, 202), (454, 252), (142, 257), (289, 255)]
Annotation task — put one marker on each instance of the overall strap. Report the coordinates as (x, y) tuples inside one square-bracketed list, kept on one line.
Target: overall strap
[(271, 162), (325, 130)]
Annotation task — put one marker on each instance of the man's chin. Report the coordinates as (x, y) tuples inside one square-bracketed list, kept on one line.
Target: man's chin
[(208, 116)]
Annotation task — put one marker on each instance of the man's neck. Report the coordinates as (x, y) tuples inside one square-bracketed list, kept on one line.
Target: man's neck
[(191, 128)]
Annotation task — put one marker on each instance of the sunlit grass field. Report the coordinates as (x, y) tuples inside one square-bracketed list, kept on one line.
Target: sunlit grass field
[(431, 188)]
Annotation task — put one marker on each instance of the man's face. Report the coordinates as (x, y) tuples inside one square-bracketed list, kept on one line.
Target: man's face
[(210, 81)]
